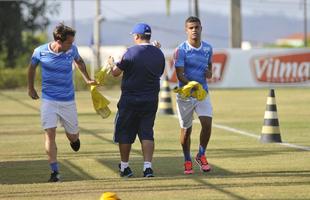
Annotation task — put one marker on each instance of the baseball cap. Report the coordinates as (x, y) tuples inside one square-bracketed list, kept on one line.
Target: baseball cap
[(141, 28)]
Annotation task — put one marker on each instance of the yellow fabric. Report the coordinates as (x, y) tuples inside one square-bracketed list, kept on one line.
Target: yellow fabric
[(100, 103), (193, 89), (109, 196)]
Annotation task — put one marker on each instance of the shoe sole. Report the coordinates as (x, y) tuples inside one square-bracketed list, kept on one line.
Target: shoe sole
[(188, 172), (201, 167), (76, 149), (127, 176)]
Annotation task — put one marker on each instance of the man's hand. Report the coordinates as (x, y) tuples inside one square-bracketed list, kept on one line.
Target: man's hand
[(109, 64), (111, 61), (208, 74), (33, 94), (156, 44), (91, 82)]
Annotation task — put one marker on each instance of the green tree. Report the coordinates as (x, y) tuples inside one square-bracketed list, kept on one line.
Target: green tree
[(17, 17)]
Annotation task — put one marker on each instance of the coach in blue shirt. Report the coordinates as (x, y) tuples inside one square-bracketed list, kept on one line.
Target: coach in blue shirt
[(142, 66)]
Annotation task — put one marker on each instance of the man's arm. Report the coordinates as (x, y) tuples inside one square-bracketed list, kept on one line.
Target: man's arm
[(115, 71), (31, 77), (209, 71), (82, 67), (180, 75)]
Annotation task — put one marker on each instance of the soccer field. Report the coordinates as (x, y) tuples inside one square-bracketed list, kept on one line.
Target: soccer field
[(243, 168)]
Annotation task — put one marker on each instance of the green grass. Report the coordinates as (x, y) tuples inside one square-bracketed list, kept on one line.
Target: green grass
[(243, 168)]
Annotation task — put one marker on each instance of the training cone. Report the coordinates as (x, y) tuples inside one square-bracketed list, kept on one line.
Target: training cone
[(165, 103), (109, 196), (271, 127)]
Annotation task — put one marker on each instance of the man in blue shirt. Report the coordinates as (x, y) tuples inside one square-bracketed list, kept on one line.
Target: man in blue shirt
[(193, 62), (142, 66), (58, 104)]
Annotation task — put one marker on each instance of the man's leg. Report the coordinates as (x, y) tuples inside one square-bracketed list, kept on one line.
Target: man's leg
[(185, 139), (69, 119), (74, 141), (50, 145), (72, 137), (185, 110), (148, 150), (124, 150), (205, 133), (51, 151)]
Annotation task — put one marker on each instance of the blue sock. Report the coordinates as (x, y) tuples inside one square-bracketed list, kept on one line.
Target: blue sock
[(54, 166), (201, 150), (187, 156)]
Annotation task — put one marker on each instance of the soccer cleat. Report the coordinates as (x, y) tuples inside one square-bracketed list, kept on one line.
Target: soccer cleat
[(148, 172), (188, 167), (202, 163), (55, 177), (75, 145), (126, 173)]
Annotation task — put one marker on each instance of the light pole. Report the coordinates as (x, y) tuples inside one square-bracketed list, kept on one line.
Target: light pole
[(305, 24)]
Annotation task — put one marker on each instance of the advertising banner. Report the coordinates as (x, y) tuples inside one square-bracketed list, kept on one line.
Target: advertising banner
[(236, 68)]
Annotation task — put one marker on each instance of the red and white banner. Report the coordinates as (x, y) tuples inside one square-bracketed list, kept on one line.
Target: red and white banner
[(236, 68)]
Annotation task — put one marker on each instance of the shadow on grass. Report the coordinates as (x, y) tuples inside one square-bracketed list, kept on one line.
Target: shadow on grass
[(20, 101), (37, 171), (168, 176)]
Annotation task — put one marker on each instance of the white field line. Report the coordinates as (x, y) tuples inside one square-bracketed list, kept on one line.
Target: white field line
[(256, 136), (240, 132)]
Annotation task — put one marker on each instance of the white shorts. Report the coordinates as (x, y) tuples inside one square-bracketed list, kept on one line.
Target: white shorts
[(63, 111), (186, 108)]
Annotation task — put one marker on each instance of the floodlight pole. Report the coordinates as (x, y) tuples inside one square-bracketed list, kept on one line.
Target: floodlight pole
[(305, 24), (72, 14), (196, 7), (235, 25), (97, 22)]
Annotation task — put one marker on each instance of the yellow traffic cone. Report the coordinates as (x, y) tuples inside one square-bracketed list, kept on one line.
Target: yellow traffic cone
[(271, 127), (165, 102)]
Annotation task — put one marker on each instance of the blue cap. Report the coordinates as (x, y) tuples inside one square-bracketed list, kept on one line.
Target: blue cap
[(141, 28)]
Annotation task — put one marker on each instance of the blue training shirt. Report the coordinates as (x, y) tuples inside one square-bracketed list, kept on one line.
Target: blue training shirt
[(57, 83), (194, 60), (142, 67)]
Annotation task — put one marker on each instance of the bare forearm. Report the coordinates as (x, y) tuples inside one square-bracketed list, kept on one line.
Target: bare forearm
[(209, 71), (181, 77), (31, 76), (82, 68)]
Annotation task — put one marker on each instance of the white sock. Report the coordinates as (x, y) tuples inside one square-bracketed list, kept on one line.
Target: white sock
[(124, 165), (147, 165)]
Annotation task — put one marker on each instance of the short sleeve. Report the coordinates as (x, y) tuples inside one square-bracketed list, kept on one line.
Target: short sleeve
[(35, 58), (179, 57), (124, 63), (76, 54)]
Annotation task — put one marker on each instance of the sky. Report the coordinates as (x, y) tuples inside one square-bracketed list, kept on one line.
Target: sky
[(121, 15), (124, 9)]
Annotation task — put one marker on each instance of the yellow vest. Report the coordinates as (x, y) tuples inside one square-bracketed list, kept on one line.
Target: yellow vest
[(100, 103), (193, 89)]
